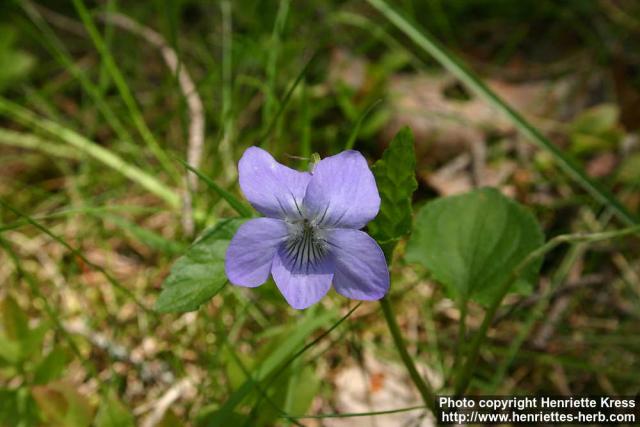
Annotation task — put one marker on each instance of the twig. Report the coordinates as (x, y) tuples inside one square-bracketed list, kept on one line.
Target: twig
[(188, 88), (120, 352), (161, 405), (190, 93)]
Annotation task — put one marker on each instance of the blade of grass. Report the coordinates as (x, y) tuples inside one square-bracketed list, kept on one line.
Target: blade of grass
[(279, 356), (103, 76), (33, 142), (34, 285), (456, 67), (464, 377), (534, 314), (97, 211), (256, 384), (124, 91), (242, 209), (287, 97), (300, 352), (226, 143), (28, 118), (112, 280), (356, 129), (305, 108), (272, 62), (361, 414), (146, 236), (60, 53)]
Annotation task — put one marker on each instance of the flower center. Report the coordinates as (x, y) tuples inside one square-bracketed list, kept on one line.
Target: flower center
[(305, 246)]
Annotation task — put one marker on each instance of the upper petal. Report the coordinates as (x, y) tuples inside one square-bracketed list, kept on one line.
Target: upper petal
[(273, 189), (305, 285), (342, 191), (250, 254), (361, 271)]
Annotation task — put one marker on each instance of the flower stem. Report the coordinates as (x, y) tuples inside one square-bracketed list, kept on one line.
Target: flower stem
[(423, 387)]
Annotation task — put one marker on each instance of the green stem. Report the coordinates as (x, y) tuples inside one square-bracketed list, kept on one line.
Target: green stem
[(423, 387), (465, 376)]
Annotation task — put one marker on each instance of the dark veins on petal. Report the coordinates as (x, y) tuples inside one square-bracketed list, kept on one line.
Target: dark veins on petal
[(304, 248)]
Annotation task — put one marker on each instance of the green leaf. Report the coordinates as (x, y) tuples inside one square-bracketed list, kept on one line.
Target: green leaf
[(51, 367), (396, 180), (113, 413), (16, 64), (596, 120), (629, 171), (471, 243), (9, 350), (304, 385), (32, 342), (595, 129), (8, 407), (198, 276), (14, 320), (62, 405)]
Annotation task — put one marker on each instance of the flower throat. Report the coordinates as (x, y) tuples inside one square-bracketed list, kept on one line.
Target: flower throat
[(305, 245)]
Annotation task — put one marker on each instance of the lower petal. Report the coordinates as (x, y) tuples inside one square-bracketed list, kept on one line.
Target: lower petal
[(361, 271), (302, 286), (250, 254)]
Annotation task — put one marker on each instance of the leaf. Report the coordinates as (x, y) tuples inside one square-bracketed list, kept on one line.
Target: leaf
[(629, 171), (471, 243), (32, 341), (16, 64), (14, 320), (8, 406), (304, 386), (113, 413), (396, 180), (595, 129), (51, 367), (596, 120), (9, 350), (198, 275), (62, 405)]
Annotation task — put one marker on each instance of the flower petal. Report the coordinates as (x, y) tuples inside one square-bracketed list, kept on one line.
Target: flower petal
[(273, 189), (250, 254), (302, 286), (361, 271), (342, 191)]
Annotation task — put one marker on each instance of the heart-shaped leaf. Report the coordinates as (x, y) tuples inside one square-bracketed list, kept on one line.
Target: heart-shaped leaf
[(471, 243)]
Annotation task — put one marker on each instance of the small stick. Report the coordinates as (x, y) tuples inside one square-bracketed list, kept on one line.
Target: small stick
[(194, 105)]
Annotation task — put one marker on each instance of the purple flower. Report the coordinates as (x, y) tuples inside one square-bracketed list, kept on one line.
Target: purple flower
[(310, 237)]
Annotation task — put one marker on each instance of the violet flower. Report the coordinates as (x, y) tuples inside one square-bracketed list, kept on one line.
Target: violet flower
[(310, 237)]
